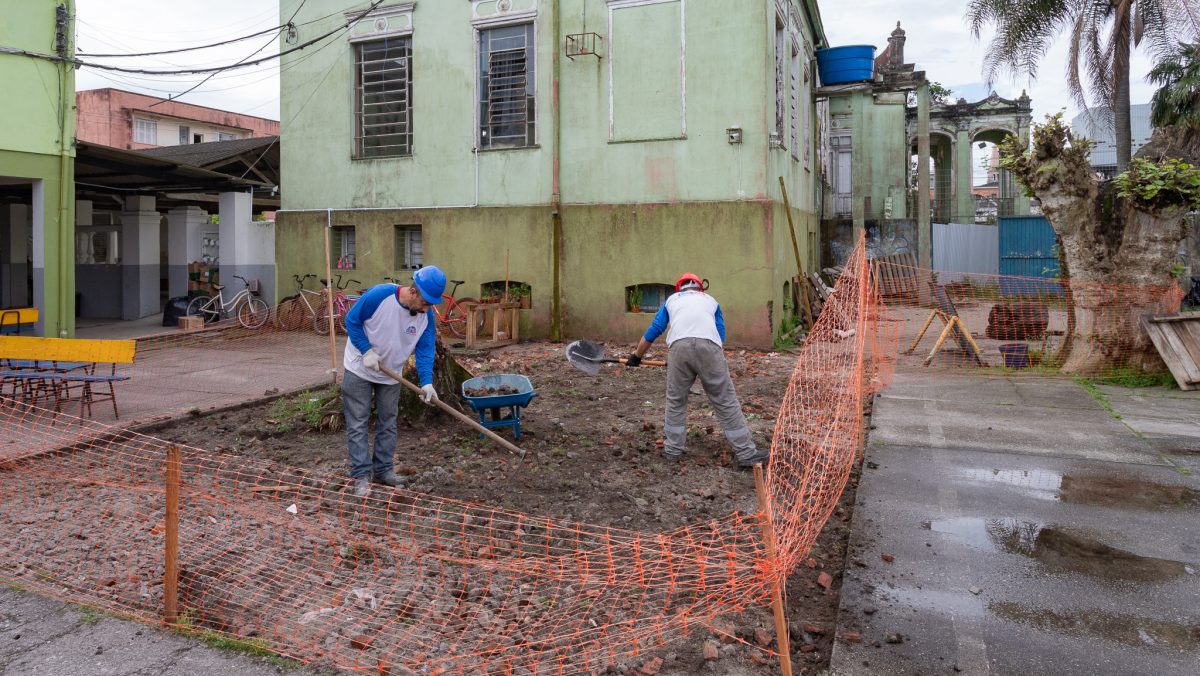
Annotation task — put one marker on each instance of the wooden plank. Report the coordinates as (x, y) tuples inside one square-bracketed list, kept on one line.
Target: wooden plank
[(1186, 361), (1178, 317), (1173, 352), (68, 349)]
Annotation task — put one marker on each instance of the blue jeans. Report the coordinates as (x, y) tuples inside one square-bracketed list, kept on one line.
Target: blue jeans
[(356, 405)]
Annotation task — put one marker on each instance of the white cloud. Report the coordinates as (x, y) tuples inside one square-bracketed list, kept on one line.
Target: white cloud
[(940, 44)]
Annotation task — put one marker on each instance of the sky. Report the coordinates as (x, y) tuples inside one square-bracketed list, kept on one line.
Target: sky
[(938, 43)]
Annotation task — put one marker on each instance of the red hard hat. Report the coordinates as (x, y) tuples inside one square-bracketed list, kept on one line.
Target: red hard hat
[(688, 277)]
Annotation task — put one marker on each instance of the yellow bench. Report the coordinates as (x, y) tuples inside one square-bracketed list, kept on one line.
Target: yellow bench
[(12, 319), (37, 368)]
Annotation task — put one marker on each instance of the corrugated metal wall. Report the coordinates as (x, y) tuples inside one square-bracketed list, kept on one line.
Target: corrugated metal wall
[(965, 248), (1027, 250)]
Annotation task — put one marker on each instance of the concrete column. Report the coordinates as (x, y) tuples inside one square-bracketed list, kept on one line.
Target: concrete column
[(964, 211), (184, 225), (1021, 203), (924, 226), (14, 265), (247, 246), (859, 163), (139, 258), (943, 186)]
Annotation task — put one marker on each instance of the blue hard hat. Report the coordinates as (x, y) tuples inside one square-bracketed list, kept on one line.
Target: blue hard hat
[(431, 282)]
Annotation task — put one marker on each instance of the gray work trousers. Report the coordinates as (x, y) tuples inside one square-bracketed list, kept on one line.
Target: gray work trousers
[(687, 359)]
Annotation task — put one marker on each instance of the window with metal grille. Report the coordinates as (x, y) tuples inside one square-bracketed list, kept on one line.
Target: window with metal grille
[(410, 252), (342, 248), (795, 107), (780, 83), (383, 97), (145, 131), (185, 135), (506, 87)]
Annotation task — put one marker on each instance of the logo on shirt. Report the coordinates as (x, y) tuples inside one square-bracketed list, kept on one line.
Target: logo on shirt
[(412, 330)]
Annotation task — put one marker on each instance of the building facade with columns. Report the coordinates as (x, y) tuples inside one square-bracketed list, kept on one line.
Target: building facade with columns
[(900, 160), (37, 127)]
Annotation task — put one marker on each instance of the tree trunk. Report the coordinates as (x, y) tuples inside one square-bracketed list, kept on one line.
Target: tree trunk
[(1120, 253), (1122, 124)]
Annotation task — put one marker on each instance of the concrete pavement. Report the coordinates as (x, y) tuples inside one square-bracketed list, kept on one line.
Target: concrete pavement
[(1033, 527), (50, 638)]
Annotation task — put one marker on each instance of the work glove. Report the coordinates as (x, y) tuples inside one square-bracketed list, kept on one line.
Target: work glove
[(428, 394), (633, 360), (371, 359)]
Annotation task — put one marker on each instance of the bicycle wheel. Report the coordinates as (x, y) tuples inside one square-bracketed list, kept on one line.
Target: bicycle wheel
[(321, 323), (201, 306), (254, 313), (455, 317), (286, 316)]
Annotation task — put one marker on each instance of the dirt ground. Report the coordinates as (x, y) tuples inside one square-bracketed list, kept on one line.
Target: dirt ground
[(592, 447)]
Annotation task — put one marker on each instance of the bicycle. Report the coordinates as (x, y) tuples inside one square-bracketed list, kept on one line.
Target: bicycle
[(454, 317), (302, 306), (341, 305), (252, 312)]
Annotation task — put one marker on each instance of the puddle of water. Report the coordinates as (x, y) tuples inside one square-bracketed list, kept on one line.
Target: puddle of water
[(1127, 629), (1059, 549), (1102, 491)]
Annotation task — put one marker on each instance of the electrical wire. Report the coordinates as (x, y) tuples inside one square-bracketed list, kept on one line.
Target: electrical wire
[(190, 49), (193, 71)]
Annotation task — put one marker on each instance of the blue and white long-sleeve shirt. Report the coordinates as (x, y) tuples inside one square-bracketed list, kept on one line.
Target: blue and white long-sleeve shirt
[(689, 314), (379, 322)]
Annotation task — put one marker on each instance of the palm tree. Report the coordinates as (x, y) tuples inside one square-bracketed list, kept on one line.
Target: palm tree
[(1102, 35), (1177, 100)]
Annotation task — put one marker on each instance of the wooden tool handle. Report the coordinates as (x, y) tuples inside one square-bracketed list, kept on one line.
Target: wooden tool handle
[(645, 362), (455, 412)]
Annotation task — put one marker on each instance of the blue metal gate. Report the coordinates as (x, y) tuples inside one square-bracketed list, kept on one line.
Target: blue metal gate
[(1027, 249)]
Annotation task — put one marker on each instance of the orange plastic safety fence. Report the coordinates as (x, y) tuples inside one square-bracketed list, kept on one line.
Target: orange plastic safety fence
[(404, 580), (1023, 324)]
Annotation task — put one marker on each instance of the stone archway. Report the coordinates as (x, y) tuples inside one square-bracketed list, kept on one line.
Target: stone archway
[(965, 123)]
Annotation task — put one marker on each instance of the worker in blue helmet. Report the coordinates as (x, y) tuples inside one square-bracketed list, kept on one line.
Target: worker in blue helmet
[(386, 325)]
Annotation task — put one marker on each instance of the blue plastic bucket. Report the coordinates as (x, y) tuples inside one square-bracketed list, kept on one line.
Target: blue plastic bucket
[(1016, 355), (850, 63)]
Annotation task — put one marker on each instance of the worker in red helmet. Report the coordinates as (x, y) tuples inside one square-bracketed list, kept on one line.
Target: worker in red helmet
[(695, 339)]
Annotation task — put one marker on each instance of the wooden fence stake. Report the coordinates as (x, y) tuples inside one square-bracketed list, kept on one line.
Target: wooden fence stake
[(329, 299), (171, 561), (768, 527)]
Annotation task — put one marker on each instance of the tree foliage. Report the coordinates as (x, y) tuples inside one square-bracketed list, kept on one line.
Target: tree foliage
[(1177, 100), (1101, 35)]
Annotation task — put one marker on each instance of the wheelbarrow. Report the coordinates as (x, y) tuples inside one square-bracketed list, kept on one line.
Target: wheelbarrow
[(499, 410)]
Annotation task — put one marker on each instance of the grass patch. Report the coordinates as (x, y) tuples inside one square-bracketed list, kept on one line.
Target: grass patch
[(306, 407), (89, 614), (186, 626), (1128, 377), (1098, 396)]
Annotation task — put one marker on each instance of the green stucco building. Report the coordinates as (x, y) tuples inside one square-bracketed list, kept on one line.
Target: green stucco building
[(37, 185), (585, 147)]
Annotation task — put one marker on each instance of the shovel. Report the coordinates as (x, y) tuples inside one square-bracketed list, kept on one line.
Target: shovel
[(588, 356)]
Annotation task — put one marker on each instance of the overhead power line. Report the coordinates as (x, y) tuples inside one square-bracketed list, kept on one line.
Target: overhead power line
[(192, 49), (192, 71)]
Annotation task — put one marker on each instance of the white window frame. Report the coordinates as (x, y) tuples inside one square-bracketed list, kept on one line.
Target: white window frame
[(402, 150), (794, 90), (526, 18), (411, 257), (144, 128)]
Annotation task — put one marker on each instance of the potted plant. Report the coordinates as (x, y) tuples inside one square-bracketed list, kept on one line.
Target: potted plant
[(519, 293), (635, 298)]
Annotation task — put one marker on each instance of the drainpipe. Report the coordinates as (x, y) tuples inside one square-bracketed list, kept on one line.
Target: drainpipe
[(66, 224), (556, 310)]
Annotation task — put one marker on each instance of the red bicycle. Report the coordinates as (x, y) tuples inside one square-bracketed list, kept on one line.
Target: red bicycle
[(450, 314), (341, 305)]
